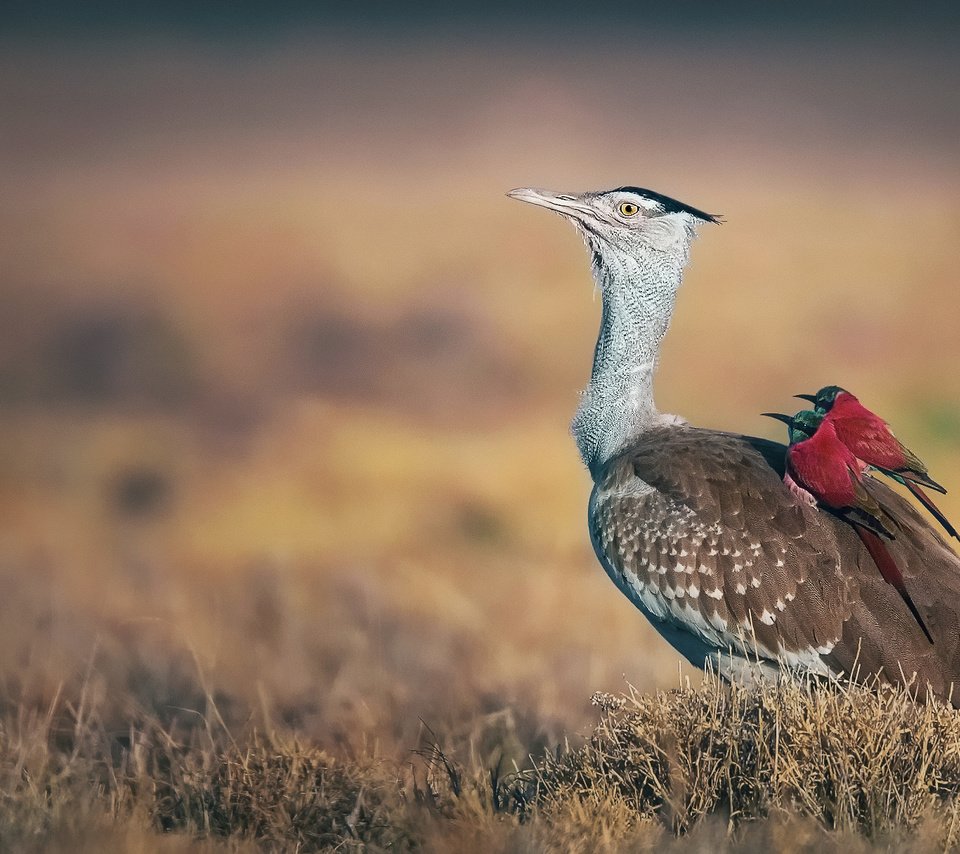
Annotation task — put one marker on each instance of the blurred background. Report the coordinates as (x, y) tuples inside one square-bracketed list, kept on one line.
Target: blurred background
[(285, 379)]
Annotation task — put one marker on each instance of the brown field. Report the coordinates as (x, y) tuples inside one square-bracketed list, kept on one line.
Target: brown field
[(287, 500)]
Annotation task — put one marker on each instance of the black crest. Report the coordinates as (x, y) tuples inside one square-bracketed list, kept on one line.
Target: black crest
[(669, 205)]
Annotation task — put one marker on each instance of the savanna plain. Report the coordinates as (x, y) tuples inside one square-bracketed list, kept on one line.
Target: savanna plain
[(293, 552)]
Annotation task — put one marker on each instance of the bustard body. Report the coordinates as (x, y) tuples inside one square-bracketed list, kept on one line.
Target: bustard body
[(697, 528)]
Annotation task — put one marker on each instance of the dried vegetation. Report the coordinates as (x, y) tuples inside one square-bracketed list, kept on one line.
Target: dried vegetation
[(799, 766)]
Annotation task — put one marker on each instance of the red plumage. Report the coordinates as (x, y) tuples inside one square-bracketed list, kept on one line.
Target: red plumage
[(870, 439), (828, 470)]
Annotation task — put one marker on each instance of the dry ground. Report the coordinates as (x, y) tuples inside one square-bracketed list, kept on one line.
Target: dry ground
[(285, 486)]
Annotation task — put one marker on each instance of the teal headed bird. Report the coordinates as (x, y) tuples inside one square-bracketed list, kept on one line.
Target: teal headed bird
[(819, 463), (871, 440)]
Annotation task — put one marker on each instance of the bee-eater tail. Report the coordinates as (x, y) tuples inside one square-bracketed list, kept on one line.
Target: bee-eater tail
[(890, 571), (934, 511)]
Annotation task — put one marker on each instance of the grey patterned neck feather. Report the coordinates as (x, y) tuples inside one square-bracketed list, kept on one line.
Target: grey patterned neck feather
[(638, 289)]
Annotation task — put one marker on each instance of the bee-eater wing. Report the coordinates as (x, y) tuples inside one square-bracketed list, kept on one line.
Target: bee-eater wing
[(869, 511), (916, 471)]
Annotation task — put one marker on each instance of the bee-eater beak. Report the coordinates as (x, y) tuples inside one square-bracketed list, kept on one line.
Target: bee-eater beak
[(786, 419), (811, 397)]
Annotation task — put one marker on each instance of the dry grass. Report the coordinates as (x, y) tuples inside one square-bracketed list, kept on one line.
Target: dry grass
[(283, 461), (799, 766)]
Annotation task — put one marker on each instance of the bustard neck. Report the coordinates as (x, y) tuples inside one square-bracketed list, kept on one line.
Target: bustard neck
[(638, 292)]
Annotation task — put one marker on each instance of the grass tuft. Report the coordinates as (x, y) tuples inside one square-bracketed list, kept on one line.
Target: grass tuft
[(872, 763)]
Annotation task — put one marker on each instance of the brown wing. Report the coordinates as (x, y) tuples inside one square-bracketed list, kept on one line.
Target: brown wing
[(881, 634), (698, 529)]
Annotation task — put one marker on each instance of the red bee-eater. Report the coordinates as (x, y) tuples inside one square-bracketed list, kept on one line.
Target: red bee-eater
[(818, 462), (870, 439)]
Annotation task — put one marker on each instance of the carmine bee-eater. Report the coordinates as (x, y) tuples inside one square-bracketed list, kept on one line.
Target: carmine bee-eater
[(870, 439), (818, 462)]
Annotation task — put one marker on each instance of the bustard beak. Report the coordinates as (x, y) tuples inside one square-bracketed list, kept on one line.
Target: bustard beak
[(561, 203), (811, 397), (786, 419)]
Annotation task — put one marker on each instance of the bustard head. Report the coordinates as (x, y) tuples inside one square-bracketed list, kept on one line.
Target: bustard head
[(639, 243), (627, 221)]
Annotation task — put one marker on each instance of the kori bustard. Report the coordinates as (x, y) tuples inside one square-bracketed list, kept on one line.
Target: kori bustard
[(697, 527)]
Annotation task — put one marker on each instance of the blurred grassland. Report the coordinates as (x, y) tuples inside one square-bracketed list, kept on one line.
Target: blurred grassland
[(285, 379)]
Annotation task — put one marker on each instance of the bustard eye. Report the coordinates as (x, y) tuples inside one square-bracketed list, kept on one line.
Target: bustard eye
[(628, 209)]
